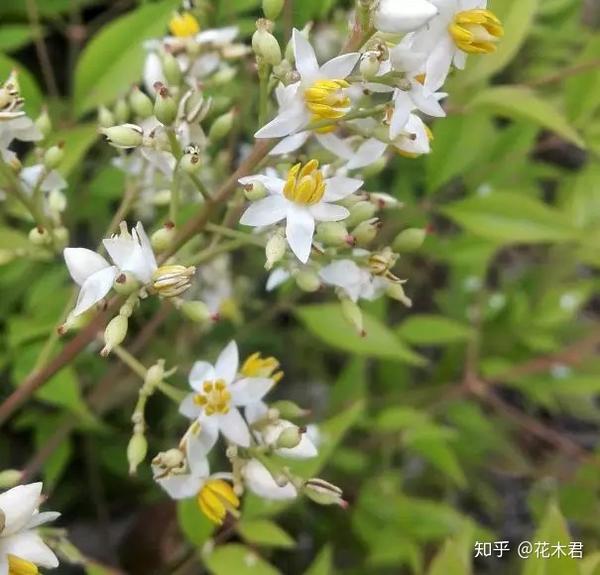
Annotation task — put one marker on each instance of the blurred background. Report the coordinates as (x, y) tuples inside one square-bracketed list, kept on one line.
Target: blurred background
[(473, 416)]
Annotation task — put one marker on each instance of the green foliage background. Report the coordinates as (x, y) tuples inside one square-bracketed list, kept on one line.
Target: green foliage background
[(473, 416)]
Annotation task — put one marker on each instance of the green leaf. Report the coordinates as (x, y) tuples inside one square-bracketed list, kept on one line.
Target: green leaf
[(519, 103), (113, 59), (323, 564), (511, 218), (235, 558), (517, 17), (432, 329), (581, 90), (29, 88), (196, 527), (15, 36), (326, 322), (264, 532), (450, 561)]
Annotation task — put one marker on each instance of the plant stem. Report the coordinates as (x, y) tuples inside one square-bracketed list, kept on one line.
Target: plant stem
[(263, 102)]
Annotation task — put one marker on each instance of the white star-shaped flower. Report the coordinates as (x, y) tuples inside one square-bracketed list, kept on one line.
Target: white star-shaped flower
[(355, 281), (260, 481)]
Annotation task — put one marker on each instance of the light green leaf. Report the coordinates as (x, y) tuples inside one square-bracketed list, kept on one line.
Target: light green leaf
[(264, 532), (450, 561), (400, 418), (29, 87), (581, 90), (113, 59), (235, 558), (323, 564), (196, 527), (326, 322), (519, 103), (14, 36), (511, 218), (432, 329)]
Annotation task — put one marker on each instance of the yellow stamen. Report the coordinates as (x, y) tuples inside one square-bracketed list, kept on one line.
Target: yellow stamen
[(327, 100), (172, 280), (476, 31), (18, 566), (184, 25), (215, 398), (216, 499), (258, 366), (305, 185)]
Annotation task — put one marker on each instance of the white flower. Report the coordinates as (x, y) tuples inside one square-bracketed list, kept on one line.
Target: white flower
[(258, 479), (218, 395), (130, 252), (17, 128), (355, 281), (319, 95), (401, 16), (19, 518), (461, 27), (38, 175), (302, 199)]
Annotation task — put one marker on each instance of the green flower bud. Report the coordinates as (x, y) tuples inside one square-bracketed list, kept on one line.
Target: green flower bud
[(196, 311), (409, 240), (114, 334), (359, 212), (353, 315), (289, 410), (324, 493), (272, 8), (255, 191), (8, 478), (54, 156), (140, 103), (290, 437), (43, 123), (190, 161), (57, 201), (39, 236), (162, 239), (171, 69), (225, 75), (165, 107), (126, 284), (105, 117), (221, 126), (136, 451), (121, 111), (265, 45), (366, 231), (369, 65), (61, 237), (334, 234), (155, 374), (396, 291), (124, 136), (275, 250), (307, 281)]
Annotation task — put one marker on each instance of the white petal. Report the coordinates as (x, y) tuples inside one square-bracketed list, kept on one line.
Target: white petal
[(149, 259), (83, 263), (250, 390), (153, 72), (273, 183), (265, 212), (255, 411), (261, 482), (367, 153), (325, 212), (42, 518), (3, 563), (18, 505), (401, 16), (178, 486), (438, 64), (234, 427), (299, 231), (202, 435), (340, 67), (218, 36), (460, 61), (403, 106), (277, 277), (201, 371), (339, 187), (335, 145), (285, 124), (290, 144), (28, 545), (428, 103), (306, 60), (94, 289), (227, 363), (189, 408)]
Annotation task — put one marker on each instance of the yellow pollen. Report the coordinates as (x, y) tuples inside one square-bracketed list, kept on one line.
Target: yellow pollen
[(216, 499), (305, 184), (327, 100), (215, 397), (184, 25), (258, 366), (421, 78), (476, 31), (18, 566)]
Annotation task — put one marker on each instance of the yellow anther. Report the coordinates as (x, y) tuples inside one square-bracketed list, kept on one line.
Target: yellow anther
[(172, 280), (476, 31), (327, 100), (305, 185), (18, 566), (258, 366), (215, 398), (216, 499), (184, 25)]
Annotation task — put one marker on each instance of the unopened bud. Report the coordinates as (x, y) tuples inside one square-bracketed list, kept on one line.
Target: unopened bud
[(366, 231), (359, 212), (196, 311), (190, 161), (290, 437), (307, 281), (396, 291), (114, 334), (384, 201), (409, 240), (105, 117), (39, 236), (324, 493), (61, 237), (334, 234), (8, 478), (140, 103), (124, 136), (272, 8), (255, 191), (126, 283), (155, 374), (57, 201), (225, 75), (353, 315), (275, 250), (171, 69), (265, 45), (172, 280), (165, 107), (54, 156), (136, 451), (289, 410), (121, 111), (162, 239), (369, 65), (221, 126), (43, 123)]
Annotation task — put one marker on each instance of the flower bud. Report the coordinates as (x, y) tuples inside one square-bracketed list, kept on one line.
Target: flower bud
[(272, 8), (43, 123), (39, 236), (105, 117), (353, 315), (275, 250), (255, 191), (61, 237), (290, 437), (196, 311), (125, 283), (57, 201), (171, 69), (334, 234), (366, 231), (289, 410), (265, 45), (155, 374), (401, 16), (308, 281), (409, 240), (124, 136), (384, 201), (369, 65), (190, 161), (165, 107), (114, 334), (140, 103), (172, 280), (221, 126), (54, 156), (324, 493), (225, 75), (396, 291), (121, 111), (136, 451), (8, 478), (359, 212), (162, 239)]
